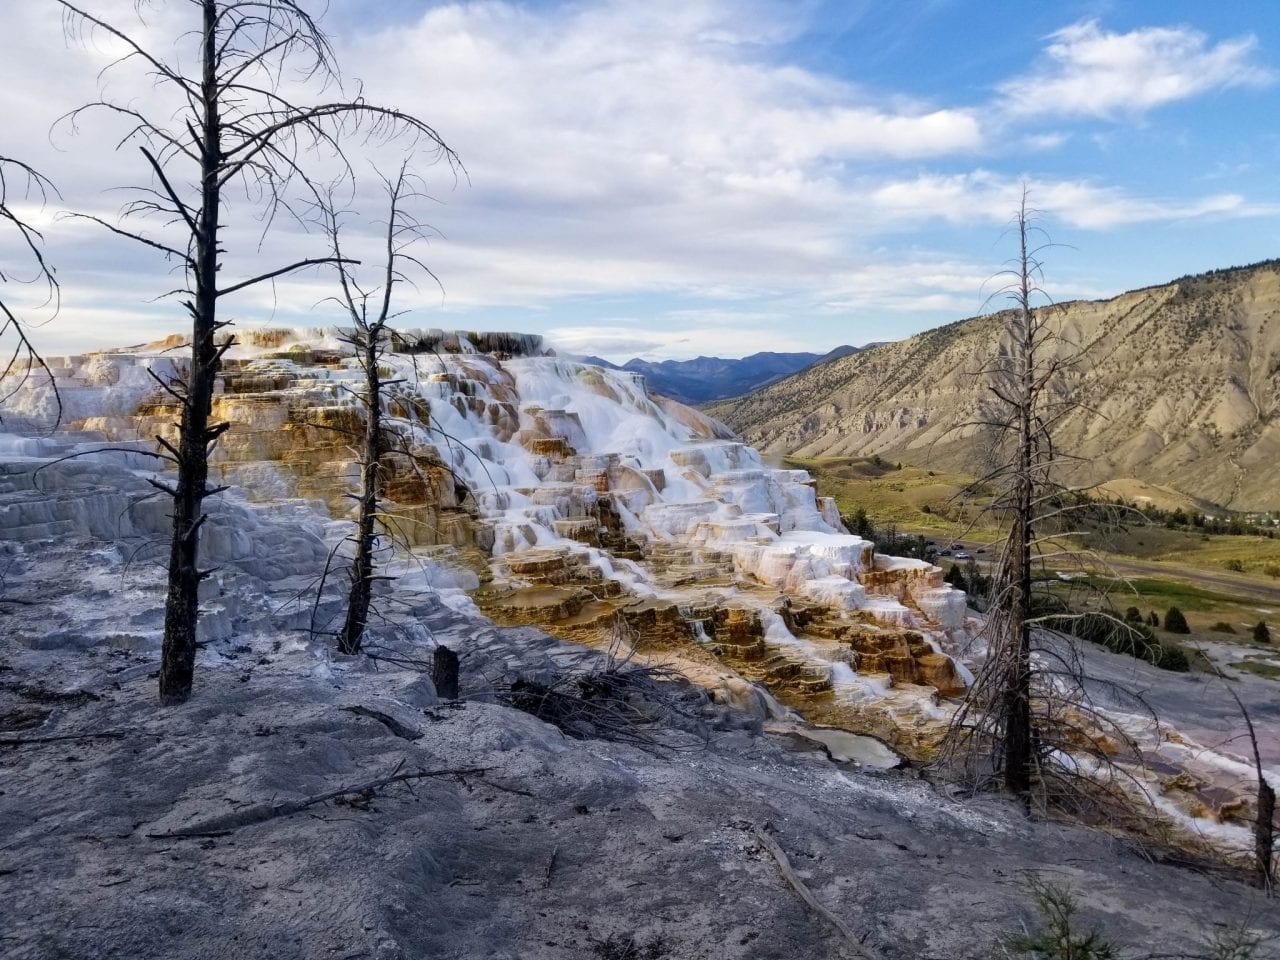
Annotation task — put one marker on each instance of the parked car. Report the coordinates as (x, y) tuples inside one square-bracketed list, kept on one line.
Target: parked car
[(944, 553), (961, 555)]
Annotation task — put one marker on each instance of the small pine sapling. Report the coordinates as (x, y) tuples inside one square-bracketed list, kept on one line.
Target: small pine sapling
[(1175, 622)]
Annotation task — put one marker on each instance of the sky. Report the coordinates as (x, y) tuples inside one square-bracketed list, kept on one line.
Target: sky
[(673, 178)]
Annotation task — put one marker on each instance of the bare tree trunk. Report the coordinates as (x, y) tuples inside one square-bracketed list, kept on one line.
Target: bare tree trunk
[(362, 565), (1264, 832), (369, 311), (182, 603), (444, 673), (1018, 745)]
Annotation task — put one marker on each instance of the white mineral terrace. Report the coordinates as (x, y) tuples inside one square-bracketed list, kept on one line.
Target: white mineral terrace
[(538, 450)]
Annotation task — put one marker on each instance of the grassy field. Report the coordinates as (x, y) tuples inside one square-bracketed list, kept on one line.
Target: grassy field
[(927, 501), (916, 500), (1258, 667), (1144, 494), (1252, 555), (1206, 609), (1155, 568)]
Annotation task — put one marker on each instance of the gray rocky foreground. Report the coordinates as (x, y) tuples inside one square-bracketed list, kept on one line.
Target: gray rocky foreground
[(560, 848), (555, 848)]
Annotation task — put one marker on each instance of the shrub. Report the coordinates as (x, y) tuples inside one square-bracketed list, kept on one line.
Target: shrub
[(1133, 639), (861, 524), (1175, 622), (1057, 938), (1261, 633), (1153, 620), (1272, 569), (1133, 615), (955, 577), (1223, 627), (1234, 565)]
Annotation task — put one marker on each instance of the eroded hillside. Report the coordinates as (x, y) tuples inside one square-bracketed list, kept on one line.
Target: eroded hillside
[(1178, 385)]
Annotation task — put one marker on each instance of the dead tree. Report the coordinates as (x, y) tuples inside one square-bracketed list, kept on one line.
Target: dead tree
[(1264, 816), (1264, 819), (1016, 711), (1017, 378), (237, 134), (370, 312), (19, 358), (1024, 385)]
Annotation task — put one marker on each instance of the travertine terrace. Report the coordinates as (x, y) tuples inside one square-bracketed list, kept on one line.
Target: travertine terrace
[(556, 494)]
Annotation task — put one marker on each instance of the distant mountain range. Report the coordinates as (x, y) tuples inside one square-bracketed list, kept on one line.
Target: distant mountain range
[(1179, 386), (705, 379)]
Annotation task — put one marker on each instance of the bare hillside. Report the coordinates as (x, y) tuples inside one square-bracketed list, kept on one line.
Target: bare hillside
[(1179, 386)]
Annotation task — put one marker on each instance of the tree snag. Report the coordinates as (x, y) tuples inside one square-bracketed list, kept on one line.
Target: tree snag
[(370, 313), (236, 135), (19, 359)]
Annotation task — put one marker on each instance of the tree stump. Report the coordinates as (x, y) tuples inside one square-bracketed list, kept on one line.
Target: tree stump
[(444, 673)]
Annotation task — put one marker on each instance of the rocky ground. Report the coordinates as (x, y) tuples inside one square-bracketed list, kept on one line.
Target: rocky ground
[(524, 843), (517, 842)]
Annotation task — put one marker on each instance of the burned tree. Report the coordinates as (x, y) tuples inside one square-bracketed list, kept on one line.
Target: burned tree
[(370, 312), (1021, 380), (236, 133), (19, 358), (1017, 712)]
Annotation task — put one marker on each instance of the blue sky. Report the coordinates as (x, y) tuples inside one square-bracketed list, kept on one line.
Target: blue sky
[(669, 178)]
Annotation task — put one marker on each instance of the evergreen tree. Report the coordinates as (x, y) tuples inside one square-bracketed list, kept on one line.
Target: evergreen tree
[(955, 577), (1175, 622), (861, 524), (1261, 633)]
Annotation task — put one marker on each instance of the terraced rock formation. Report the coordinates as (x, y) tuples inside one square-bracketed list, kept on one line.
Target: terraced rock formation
[(573, 497), (555, 494)]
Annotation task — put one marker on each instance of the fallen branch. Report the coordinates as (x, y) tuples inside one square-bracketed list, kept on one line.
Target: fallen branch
[(788, 874), (221, 826), (388, 721), (551, 866)]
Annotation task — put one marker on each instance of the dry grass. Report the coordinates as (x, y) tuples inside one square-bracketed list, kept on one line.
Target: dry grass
[(1255, 555), (917, 500), (930, 502)]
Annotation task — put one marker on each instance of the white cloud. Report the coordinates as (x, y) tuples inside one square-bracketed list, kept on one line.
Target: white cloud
[(1092, 72), (1045, 141), (985, 196), (680, 335), (925, 283), (666, 150)]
